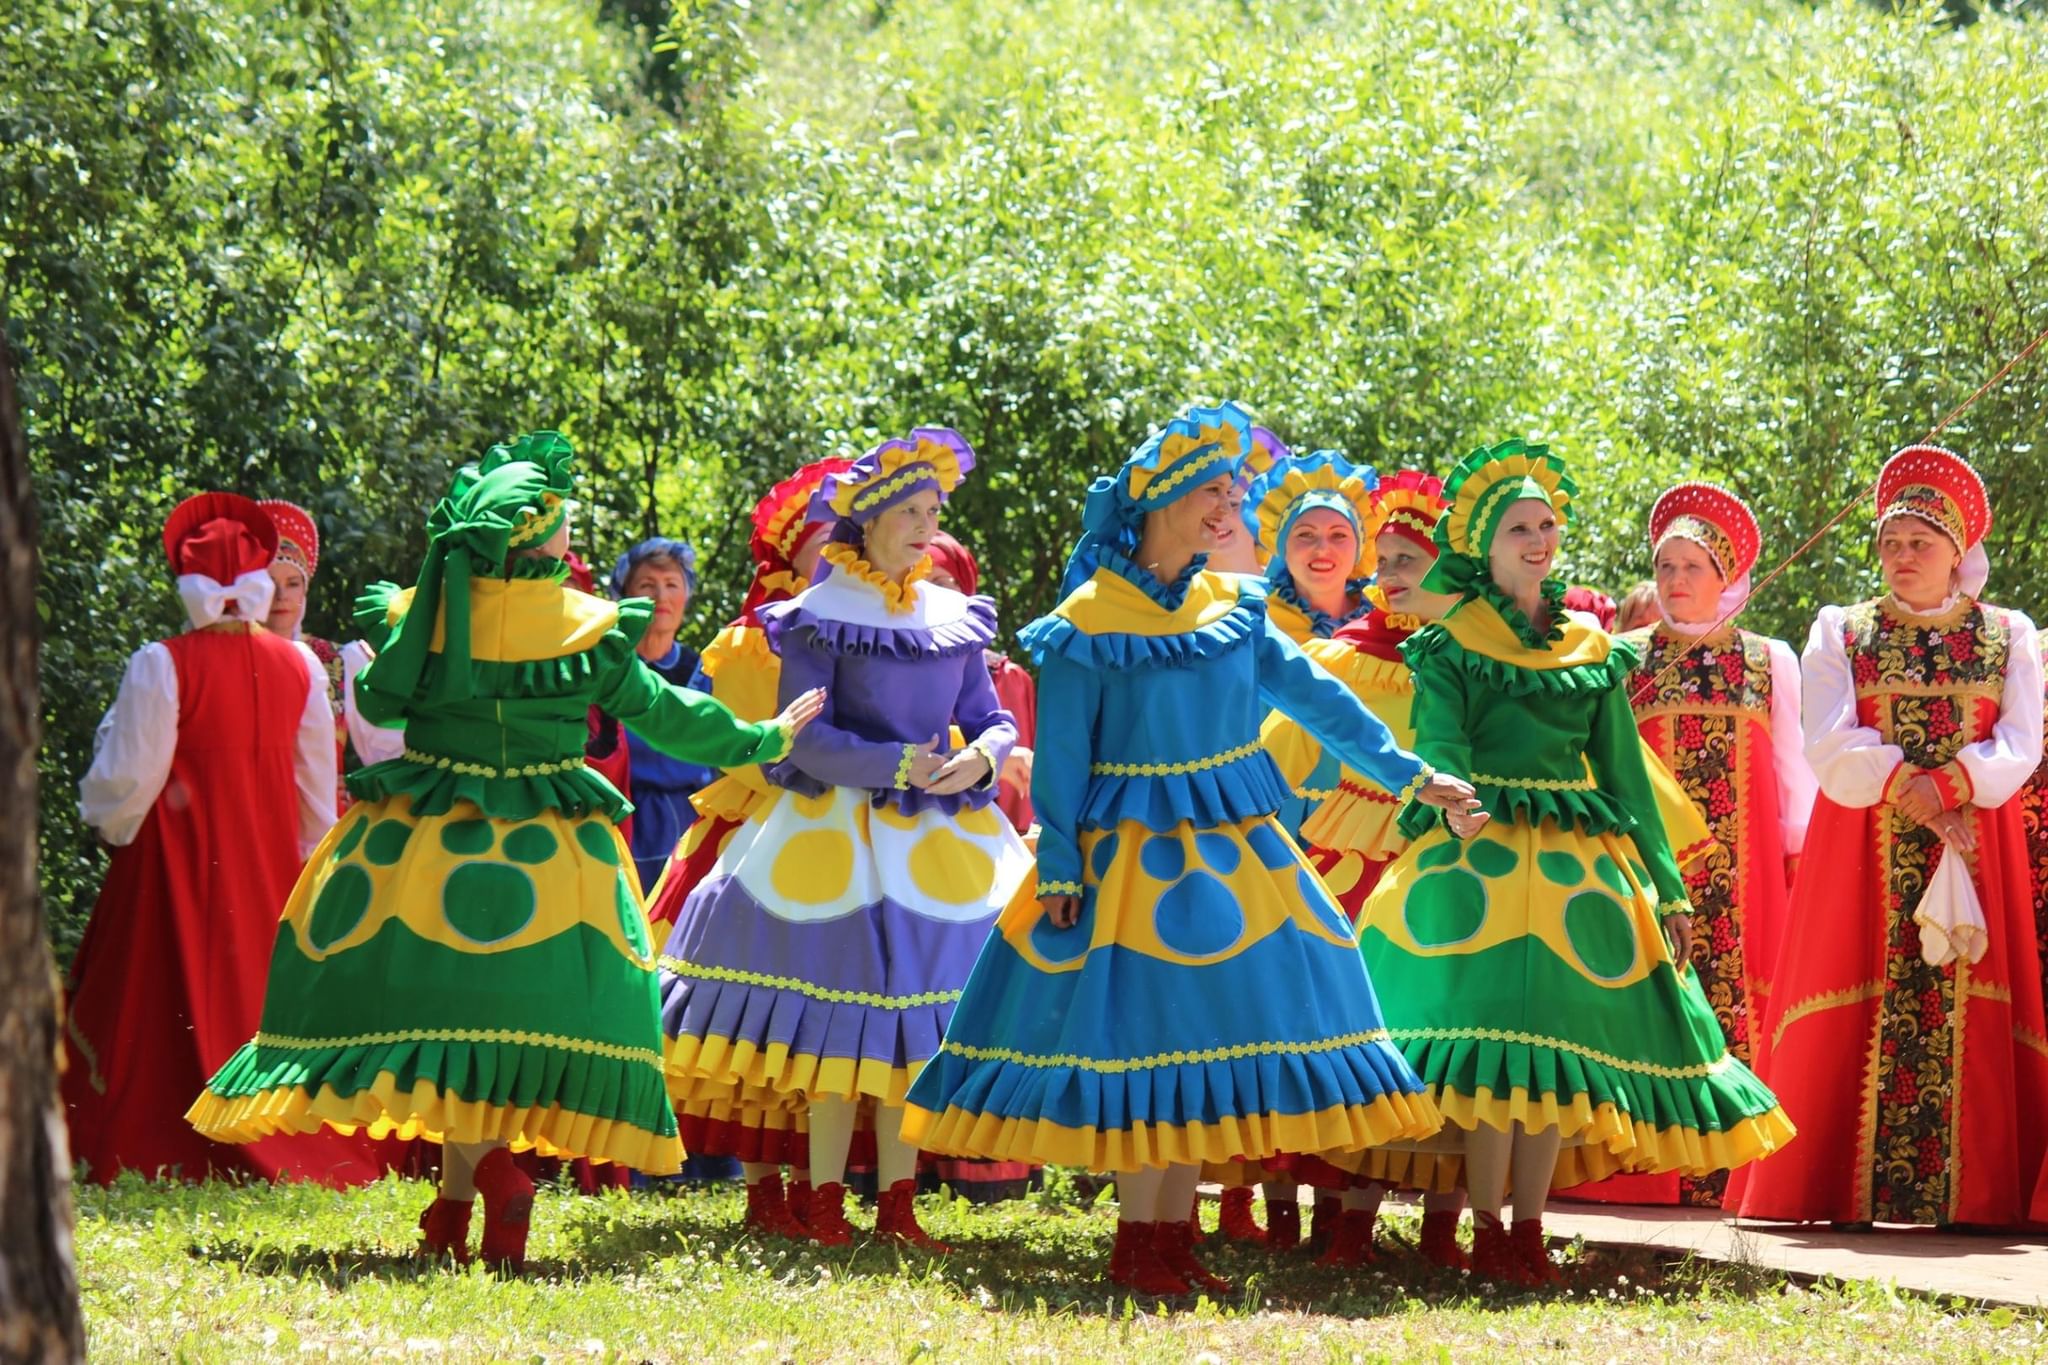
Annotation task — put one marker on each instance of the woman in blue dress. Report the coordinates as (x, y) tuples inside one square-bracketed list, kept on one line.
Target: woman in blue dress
[(1126, 1015)]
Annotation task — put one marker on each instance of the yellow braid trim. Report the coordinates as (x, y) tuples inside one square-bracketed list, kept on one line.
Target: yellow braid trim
[(1170, 769), (518, 1037), (806, 988), (1415, 785), (1119, 1065), (1538, 784), (1059, 889), (467, 769)]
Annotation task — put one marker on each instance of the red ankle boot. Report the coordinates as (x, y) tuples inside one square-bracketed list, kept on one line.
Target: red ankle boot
[(1323, 1217), (1493, 1253), (1351, 1241), (1533, 1251), (1439, 1243), (827, 1224), (896, 1218), (444, 1230), (1235, 1223), (767, 1210), (1177, 1251), (508, 1210), (1134, 1262), (799, 1200), (1283, 1225)]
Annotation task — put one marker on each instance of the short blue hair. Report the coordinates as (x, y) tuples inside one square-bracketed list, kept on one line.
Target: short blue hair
[(656, 547)]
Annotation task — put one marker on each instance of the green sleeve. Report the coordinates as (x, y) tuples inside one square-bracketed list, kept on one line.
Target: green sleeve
[(685, 724), (1615, 750), (1437, 716)]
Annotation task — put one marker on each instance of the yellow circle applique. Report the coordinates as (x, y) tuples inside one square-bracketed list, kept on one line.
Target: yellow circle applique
[(814, 807), (984, 822), (949, 869), (814, 866), (894, 818)]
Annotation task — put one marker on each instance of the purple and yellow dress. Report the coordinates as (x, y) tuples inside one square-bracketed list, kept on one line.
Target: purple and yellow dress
[(823, 954)]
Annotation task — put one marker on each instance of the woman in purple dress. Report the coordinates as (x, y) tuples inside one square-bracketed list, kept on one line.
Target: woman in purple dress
[(818, 963)]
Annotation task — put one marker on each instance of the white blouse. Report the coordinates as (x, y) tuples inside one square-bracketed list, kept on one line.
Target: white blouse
[(373, 743), (1852, 761), (137, 738)]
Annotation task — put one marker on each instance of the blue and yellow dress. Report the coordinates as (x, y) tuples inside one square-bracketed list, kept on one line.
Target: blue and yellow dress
[(1154, 1031)]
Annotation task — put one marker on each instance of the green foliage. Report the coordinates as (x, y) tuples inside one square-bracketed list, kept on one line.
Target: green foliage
[(326, 251)]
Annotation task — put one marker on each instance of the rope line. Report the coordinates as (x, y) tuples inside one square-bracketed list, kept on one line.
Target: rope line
[(1656, 680)]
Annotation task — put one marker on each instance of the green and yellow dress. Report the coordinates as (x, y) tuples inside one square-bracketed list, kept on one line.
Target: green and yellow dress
[(465, 957), (1524, 972)]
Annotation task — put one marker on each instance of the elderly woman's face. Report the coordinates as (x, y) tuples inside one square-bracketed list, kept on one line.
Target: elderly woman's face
[(663, 580), (1688, 584), (1919, 562)]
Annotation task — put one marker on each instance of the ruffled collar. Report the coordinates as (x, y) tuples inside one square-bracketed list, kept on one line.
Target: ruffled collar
[(1949, 612), (1322, 624), (536, 567), (1553, 590), (1167, 595), (899, 597)]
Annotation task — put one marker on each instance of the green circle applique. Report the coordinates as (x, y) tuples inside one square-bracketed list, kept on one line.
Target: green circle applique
[(1601, 934), (351, 839), (486, 902), (531, 844), (1440, 855), (341, 905), (1445, 908), (1563, 868), (1609, 871), (596, 838), (1642, 873), (631, 921), (386, 844), (1490, 859), (469, 837)]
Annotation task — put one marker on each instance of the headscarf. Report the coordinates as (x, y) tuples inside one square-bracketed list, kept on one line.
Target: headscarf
[(515, 496), (655, 547), (957, 560), (220, 546), (1180, 457), (1322, 480)]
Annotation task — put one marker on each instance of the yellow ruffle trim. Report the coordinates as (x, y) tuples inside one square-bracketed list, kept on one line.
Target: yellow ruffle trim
[(428, 1112), (1359, 671), (1253, 1137), (721, 1066), (1359, 821), (728, 798), (898, 597), (1604, 1142), (736, 644)]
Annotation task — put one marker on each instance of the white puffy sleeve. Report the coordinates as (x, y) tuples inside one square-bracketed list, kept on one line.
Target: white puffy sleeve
[(1796, 784), (133, 747), (2000, 764), (1850, 760), (373, 743), (313, 762)]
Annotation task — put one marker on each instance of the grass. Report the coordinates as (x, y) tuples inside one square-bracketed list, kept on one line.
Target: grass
[(229, 1273)]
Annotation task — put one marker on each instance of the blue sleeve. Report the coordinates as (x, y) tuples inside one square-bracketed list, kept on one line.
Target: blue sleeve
[(1069, 697), (1295, 685)]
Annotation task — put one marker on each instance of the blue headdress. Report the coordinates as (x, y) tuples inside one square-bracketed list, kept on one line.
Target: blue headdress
[(1187, 452)]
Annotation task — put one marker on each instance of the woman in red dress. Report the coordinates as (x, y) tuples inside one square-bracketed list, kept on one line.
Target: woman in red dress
[(1906, 1036), (214, 733), (1720, 707)]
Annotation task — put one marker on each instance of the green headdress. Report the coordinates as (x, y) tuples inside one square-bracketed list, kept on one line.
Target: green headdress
[(1482, 488), (515, 497)]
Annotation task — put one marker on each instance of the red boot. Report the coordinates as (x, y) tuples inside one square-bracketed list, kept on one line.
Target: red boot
[(1351, 1241), (1439, 1244), (1534, 1252), (827, 1224), (1235, 1223), (1177, 1250), (799, 1200), (1323, 1217), (1494, 1256), (1134, 1262), (896, 1218), (444, 1230), (508, 1210), (767, 1210), (1283, 1225)]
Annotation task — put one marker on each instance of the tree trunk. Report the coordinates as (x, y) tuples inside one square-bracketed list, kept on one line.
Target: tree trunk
[(39, 1317)]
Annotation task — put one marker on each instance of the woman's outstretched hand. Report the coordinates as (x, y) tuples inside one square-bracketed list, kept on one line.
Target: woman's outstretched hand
[(1454, 796), (802, 710)]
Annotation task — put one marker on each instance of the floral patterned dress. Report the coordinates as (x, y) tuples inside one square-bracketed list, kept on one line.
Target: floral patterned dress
[(1921, 1090)]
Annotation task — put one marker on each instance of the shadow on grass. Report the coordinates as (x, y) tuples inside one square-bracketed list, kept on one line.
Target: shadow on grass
[(1023, 1261)]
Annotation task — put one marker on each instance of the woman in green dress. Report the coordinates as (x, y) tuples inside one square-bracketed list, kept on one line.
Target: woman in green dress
[(465, 958), (1523, 966)]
